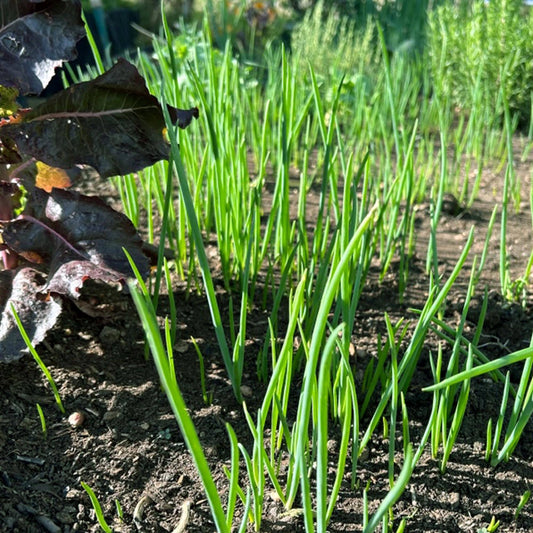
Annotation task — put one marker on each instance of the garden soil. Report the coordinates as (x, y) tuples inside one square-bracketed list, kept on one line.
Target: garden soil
[(127, 446)]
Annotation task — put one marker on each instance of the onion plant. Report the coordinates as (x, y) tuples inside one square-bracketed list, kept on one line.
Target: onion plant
[(372, 134), (39, 361), (163, 359), (371, 144), (106, 528)]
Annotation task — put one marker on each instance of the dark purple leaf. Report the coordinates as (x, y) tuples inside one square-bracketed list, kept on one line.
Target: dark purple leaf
[(75, 238), (36, 36), (9, 199), (183, 117), (111, 123), (38, 312)]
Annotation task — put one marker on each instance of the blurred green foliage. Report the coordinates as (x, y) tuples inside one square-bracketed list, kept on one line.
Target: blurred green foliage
[(333, 43), (476, 49)]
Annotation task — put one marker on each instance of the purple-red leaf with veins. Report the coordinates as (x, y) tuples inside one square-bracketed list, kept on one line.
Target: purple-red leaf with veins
[(75, 238), (36, 36), (38, 312), (111, 123)]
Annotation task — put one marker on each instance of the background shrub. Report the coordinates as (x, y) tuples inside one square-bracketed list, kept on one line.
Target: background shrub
[(332, 42), (478, 48)]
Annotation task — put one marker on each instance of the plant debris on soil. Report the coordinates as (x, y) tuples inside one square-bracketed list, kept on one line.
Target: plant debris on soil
[(119, 435)]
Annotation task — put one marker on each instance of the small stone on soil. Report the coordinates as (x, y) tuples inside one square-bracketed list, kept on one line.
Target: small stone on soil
[(181, 346), (246, 391), (76, 419), (454, 500)]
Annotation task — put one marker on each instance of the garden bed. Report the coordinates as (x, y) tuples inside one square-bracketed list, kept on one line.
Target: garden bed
[(129, 448)]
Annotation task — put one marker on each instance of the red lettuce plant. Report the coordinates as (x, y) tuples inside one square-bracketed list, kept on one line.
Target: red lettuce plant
[(54, 242)]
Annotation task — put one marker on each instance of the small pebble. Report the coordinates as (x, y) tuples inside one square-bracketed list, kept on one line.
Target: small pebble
[(455, 499), (332, 445), (479, 446), (361, 353), (73, 494), (246, 391), (181, 346), (76, 419)]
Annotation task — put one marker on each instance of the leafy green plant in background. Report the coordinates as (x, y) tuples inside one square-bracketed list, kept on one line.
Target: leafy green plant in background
[(107, 4), (248, 26), (476, 47), (333, 43), (404, 21)]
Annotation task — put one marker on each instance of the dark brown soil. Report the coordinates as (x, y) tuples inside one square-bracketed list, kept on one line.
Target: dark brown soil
[(129, 445)]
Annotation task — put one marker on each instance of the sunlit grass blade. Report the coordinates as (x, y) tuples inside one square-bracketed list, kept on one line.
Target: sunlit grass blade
[(202, 257), (393, 377), (43, 420), (170, 386), (94, 48), (395, 492), (462, 402), (496, 364), (38, 360), (97, 508), (407, 365), (522, 503), (255, 469), (324, 383), (304, 407), (233, 476)]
